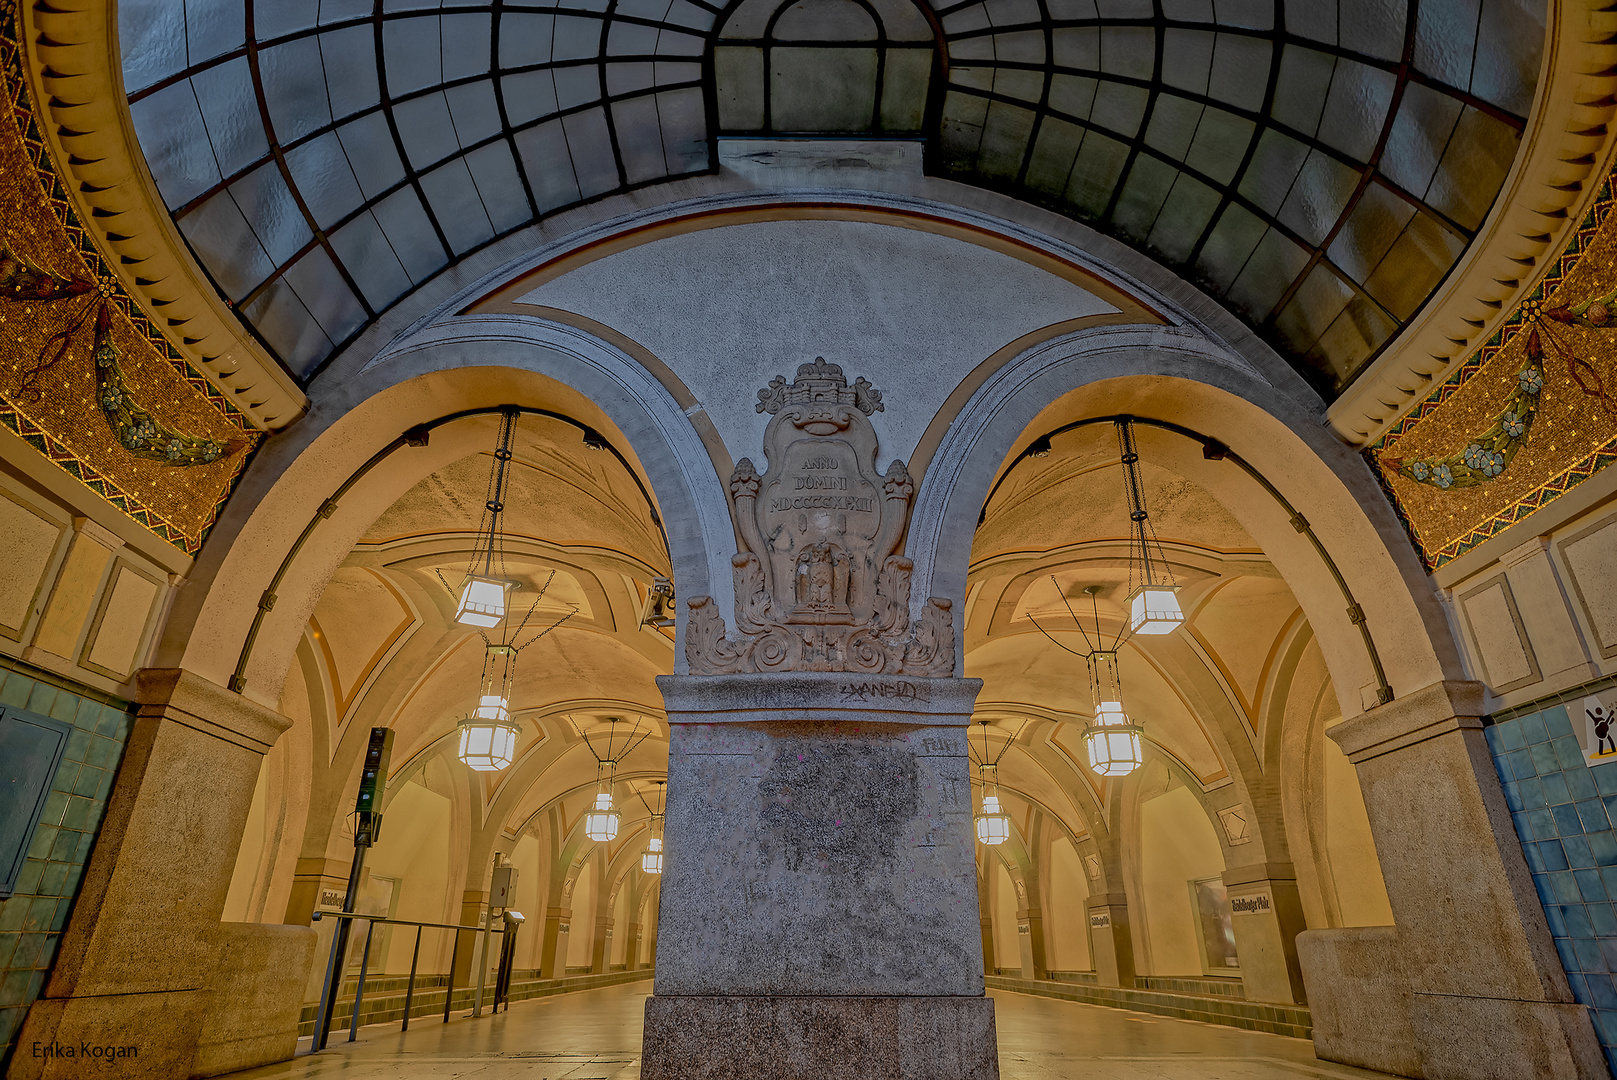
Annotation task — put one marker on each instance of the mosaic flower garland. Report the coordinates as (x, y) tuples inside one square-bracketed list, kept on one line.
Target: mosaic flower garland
[(1489, 454), (137, 430), (134, 426)]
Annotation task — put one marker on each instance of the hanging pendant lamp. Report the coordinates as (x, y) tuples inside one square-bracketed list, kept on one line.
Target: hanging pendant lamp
[(488, 736), (1153, 603), (1112, 740), (484, 593), (601, 823), (651, 861), (993, 823)]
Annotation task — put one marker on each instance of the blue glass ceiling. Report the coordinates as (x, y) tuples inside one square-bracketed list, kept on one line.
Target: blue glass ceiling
[(1318, 165)]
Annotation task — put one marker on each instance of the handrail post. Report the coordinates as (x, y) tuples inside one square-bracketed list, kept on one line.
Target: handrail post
[(409, 989), (359, 991), (449, 990), (322, 1018)]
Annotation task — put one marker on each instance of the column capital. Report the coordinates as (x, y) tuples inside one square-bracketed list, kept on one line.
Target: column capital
[(187, 698), (1110, 899), (1431, 711), (1257, 872), (754, 697)]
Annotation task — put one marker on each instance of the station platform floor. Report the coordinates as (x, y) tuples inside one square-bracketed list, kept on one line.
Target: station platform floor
[(595, 1035)]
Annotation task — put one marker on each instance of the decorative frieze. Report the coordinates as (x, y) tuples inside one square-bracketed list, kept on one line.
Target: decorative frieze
[(819, 586)]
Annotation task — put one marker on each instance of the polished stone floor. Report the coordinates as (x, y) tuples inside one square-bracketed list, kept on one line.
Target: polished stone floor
[(595, 1035)]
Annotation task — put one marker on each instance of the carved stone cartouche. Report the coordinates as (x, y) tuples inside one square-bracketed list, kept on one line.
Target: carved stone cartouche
[(819, 586)]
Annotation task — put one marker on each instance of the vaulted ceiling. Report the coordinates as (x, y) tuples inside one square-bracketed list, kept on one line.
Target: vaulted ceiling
[(1318, 165)]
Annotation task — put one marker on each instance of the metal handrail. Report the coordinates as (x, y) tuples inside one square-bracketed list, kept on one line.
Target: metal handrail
[(328, 1003)]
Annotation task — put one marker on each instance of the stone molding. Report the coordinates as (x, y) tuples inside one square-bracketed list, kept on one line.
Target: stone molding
[(197, 703), (1258, 873), (1107, 900), (1438, 709), (811, 696), (1556, 174), (818, 583), (72, 57)]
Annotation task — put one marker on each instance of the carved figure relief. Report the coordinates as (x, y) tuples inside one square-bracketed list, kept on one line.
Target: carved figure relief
[(819, 586)]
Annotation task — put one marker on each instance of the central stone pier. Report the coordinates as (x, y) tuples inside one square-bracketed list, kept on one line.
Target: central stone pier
[(819, 899)]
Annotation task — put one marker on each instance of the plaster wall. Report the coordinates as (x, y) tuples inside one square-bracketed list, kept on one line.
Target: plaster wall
[(415, 849), (244, 877), (1361, 895), (1007, 944), (768, 296), (1066, 929), (581, 941), (530, 899), (1177, 845)]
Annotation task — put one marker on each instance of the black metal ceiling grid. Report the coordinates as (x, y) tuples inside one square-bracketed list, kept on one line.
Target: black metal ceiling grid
[(326, 157), (987, 40), (338, 303)]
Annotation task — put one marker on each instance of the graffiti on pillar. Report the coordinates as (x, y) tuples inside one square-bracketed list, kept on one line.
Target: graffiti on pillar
[(819, 583)]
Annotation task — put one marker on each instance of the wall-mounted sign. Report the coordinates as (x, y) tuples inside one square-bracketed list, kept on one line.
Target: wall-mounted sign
[(1100, 921), (1595, 721), (1256, 904)]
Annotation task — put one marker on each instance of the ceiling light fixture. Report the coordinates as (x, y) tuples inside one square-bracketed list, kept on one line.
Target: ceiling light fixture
[(993, 823), (1111, 740), (601, 823), (484, 592), (651, 861), (1152, 604), (488, 735)]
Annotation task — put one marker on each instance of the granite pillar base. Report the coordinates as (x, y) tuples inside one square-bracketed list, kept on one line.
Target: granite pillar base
[(811, 1038)]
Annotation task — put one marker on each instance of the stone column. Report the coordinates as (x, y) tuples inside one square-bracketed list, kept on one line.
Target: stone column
[(1035, 966), (1488, 995), (1111, 943), (1266, 913), (631, 947), (985, 919), (819, 893), (553, 949), (472, 913), (142, 956), (601, 945)]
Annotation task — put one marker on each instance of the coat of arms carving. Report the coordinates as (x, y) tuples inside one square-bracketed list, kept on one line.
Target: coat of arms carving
[(819, 586)]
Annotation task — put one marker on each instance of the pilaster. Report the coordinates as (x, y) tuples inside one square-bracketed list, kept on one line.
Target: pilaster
[(819, 890), (1267, 915), (139, 954), (1111, 942), (1488, 995)]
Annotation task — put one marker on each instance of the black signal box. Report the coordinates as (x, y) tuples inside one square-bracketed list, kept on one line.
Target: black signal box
[(373, 779)]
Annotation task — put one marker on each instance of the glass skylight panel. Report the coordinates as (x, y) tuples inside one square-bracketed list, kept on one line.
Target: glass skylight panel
[(153, 37), (295, 88), (226, 96), (407, 144), (174, 139), (323, 176), (411, 233), (499, 185), (370, 259)]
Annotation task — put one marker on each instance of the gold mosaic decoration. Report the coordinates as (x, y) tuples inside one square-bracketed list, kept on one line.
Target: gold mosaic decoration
[(1526, 418), (85, 377)]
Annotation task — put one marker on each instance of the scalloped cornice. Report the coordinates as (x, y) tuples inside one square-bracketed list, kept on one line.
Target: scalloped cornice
[(1555, 176), (72, 59)]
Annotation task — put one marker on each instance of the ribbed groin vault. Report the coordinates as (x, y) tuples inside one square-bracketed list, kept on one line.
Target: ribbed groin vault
[(831, 516)]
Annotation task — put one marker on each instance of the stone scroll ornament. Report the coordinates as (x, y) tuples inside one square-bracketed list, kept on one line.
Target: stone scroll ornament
[(819, 586)]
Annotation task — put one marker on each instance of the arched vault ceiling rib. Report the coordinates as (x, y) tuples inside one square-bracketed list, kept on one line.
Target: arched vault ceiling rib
[(1318, 166)]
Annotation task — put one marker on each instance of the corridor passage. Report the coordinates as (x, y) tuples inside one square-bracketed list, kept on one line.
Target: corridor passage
[(595, 1035)]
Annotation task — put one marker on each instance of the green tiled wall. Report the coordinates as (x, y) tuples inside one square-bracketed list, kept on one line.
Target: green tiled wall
[(1566, 819), (31, 921)]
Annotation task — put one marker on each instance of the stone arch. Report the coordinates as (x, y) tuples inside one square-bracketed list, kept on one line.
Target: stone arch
[(1176, 375), (509, 360)]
